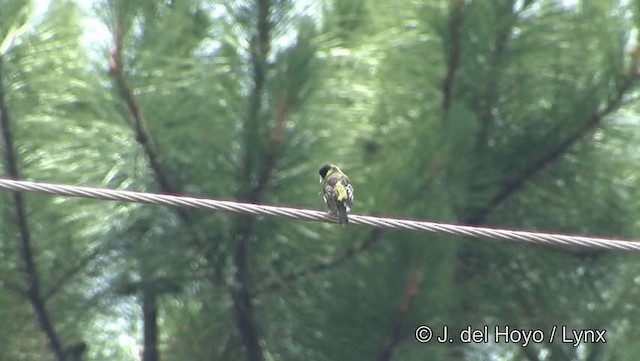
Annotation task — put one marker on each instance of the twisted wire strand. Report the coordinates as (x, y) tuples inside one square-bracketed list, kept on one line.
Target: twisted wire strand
[(311, 215)]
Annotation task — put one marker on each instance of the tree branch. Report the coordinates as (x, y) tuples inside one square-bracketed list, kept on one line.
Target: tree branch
[(454, 51), (347, 254), (71, 272), (411, 290), (241, 294), (139, 125), (150, 323), (137, 120), (143, 136), (254, 187), (34, 290), (488, 98), (511, 186)]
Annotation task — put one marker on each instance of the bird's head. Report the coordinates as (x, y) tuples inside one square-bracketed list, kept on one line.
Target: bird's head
[(328, 169)]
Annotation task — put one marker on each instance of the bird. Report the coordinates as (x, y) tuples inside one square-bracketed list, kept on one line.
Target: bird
[(337, 191)]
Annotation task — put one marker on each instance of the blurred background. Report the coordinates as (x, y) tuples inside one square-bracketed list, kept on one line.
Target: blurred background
[(517, 114)]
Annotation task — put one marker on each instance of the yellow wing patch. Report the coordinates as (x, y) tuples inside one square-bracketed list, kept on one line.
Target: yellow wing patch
[(340, 191)]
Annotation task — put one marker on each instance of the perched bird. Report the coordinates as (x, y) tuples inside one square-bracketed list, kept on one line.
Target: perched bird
[(337, 191)]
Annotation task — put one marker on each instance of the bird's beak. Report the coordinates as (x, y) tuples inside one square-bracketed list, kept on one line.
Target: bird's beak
[(320, 180)]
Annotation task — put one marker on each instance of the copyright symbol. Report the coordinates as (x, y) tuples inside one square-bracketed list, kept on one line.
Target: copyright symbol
[(424, 334)]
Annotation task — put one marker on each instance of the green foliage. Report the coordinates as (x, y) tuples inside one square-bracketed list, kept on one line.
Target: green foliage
[(523, 114)]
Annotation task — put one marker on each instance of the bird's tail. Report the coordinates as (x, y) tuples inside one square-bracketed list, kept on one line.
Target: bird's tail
[(342, 213)]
